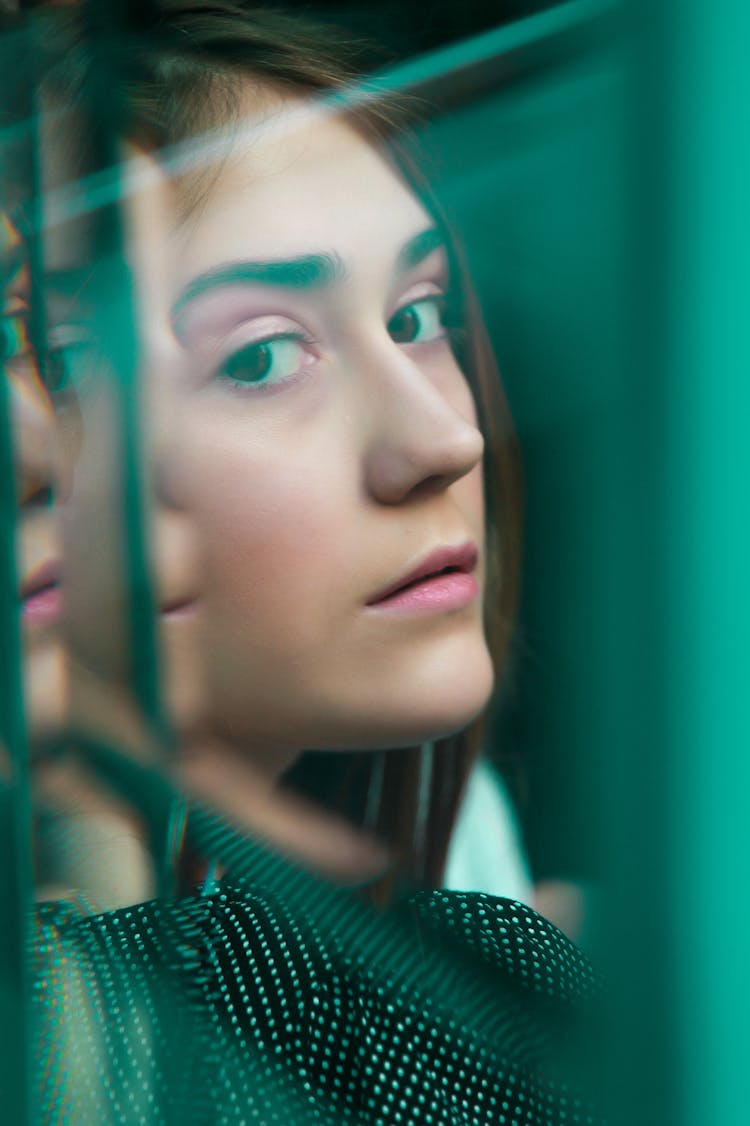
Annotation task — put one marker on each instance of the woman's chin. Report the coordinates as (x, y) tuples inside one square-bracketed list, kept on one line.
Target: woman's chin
[(438, 719), (395, 703), (407, 711), (447, 698)]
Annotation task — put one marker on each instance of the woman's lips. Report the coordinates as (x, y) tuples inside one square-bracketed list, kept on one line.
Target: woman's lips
[(444, 580), (44, 607), (450, 591), (41, 595), (183, 608)]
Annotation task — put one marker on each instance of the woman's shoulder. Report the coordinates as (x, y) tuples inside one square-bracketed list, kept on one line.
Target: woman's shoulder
[(274, 1005)]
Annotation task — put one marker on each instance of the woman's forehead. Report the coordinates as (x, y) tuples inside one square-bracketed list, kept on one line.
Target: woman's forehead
[(290, 177), (312, 181)]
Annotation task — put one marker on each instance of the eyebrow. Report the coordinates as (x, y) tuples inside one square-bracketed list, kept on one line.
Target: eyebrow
[(420, 247), (307, 272)]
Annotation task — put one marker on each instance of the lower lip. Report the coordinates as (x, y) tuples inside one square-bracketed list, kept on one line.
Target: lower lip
[(440, 594), (43, 607)]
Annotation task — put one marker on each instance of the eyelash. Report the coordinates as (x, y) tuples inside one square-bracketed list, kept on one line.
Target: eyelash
[(223, 372), (437, 301)]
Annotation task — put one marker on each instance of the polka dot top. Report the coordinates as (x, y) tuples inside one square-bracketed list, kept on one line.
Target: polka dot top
[(449, 1009)]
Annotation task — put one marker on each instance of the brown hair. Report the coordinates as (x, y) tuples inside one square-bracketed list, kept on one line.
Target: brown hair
[(179, 77)]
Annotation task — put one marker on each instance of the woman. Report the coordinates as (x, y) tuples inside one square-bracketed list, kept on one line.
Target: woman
[(328, 536), (181, 93)]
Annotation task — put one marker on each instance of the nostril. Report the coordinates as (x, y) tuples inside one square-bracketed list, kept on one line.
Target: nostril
[(433, 485)]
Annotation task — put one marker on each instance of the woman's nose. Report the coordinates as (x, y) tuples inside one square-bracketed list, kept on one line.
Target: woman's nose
[(424, 432), (36, 449)]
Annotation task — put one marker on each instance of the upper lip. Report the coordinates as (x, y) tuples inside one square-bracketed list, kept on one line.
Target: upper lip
[(461, 558), (45, 575)]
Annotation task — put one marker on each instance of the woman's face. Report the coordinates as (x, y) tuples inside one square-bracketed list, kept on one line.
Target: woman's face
[(35, 455), (314, 445)]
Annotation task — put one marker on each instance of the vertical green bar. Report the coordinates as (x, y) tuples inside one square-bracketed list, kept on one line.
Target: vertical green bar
[(106, 114), (704, 51), (15, 806), (15, 828), (107, 111)]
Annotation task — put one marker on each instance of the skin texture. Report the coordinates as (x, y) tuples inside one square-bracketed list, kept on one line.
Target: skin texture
[(304, 498)]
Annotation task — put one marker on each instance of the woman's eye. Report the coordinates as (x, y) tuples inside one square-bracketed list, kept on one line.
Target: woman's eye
[(69, 356), (58, 373), (419, 322), (265, 361)]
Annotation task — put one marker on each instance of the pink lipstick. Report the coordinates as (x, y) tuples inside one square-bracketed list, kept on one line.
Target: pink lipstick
[(444, 580), (184, 609), (41, 596)]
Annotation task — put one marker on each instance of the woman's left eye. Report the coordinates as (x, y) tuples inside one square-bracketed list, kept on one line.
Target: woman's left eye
[(265, 362), (419, 322)]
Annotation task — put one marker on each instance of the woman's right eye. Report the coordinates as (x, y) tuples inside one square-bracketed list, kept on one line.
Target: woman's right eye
[(269, 362), (58, 376), (69, 355)]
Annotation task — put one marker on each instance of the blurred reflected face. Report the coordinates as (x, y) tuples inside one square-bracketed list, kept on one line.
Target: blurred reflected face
[(318, 514), (34, 449)]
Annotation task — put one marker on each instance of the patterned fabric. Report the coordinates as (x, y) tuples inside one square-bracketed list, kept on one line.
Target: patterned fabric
[(232, 1008)]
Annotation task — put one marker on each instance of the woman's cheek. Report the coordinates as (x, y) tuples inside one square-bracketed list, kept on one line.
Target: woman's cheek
[(269, 525), (256, 582), (266, 607), (472, 488)]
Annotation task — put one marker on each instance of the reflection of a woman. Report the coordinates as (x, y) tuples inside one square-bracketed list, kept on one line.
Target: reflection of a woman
[(316, 385)]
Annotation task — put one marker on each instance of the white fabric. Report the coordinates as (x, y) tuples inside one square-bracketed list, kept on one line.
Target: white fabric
[(486, 853)]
